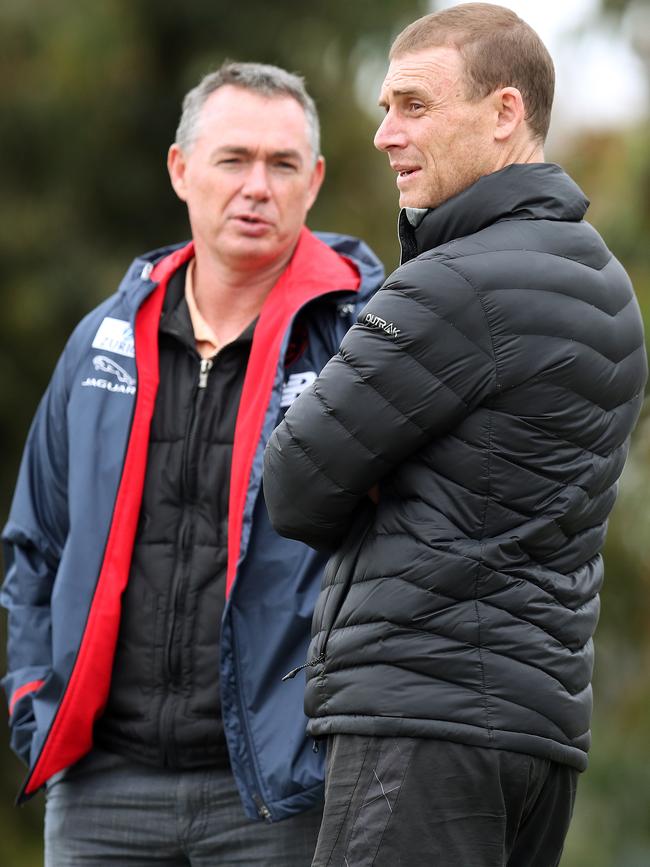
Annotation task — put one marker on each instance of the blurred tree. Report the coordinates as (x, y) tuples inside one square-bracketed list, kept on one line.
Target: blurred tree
[(616, 5), (89, 105)]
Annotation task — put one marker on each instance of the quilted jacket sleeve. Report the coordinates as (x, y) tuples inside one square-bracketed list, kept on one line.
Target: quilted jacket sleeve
[(418, 359), (33, 542)]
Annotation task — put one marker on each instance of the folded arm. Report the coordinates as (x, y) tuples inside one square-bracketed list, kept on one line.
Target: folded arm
[(417, 361)]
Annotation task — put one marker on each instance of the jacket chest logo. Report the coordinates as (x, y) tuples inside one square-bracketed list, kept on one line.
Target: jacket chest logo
[(296, 383), (121, 382), (115, 335), (377, 322)]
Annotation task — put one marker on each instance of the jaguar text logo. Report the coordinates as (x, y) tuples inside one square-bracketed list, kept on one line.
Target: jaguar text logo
[(125, 383)]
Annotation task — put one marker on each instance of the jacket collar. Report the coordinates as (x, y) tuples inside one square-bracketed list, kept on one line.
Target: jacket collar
[(531, 191), (314, 271), (156, 266)]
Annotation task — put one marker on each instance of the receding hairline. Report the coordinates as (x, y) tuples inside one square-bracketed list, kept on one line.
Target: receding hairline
[(399, 54), (259, 78), (411, 89), (270, 96), (275, 96)]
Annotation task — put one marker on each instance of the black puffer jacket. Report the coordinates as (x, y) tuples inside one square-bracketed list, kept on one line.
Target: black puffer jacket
[(490, 388)]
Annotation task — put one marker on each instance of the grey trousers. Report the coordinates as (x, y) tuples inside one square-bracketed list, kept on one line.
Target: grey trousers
[(108, 810), (428, 803)]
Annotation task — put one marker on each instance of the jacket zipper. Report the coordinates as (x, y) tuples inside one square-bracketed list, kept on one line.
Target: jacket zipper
[(172, 663), (294, 671), (262, 810), (204, 370)]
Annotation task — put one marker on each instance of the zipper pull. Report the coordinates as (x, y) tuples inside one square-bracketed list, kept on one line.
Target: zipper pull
[(206, 367), (262, 810), (294, 671)]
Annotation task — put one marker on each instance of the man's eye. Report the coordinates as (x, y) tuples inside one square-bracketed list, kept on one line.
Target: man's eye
[(286, 166), (415, 106)]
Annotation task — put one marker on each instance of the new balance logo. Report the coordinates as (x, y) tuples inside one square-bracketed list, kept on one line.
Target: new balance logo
[(377, 322), (296, 383), (125, 382)]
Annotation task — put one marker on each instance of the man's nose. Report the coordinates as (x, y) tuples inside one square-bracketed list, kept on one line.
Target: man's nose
[(256, 185), (389, 135)]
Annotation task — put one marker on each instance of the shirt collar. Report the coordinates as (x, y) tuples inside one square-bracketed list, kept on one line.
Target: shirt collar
[(207, 344)]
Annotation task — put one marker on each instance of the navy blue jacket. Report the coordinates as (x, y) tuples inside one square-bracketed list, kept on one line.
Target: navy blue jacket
[(70, 533)]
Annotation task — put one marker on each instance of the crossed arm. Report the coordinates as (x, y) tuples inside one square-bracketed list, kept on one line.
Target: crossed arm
[(417, 361)]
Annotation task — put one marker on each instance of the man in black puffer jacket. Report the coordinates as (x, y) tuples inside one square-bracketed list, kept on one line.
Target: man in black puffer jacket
[(484, 400)]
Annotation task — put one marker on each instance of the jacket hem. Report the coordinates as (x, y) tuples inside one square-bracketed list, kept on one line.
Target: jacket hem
[(516, 742), (297, 803)]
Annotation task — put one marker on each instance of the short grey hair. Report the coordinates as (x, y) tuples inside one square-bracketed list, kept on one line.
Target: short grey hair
[(262, 78)]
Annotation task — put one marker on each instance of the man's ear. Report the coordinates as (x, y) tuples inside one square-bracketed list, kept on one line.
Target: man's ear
[(510, 112), (176, 166), (317, 178)]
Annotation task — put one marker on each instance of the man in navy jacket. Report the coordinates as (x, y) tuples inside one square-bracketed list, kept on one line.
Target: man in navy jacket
[(152, 608)]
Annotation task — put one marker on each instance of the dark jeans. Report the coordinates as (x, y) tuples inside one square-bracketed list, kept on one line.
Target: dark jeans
[(108, 810), (410, 802)]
